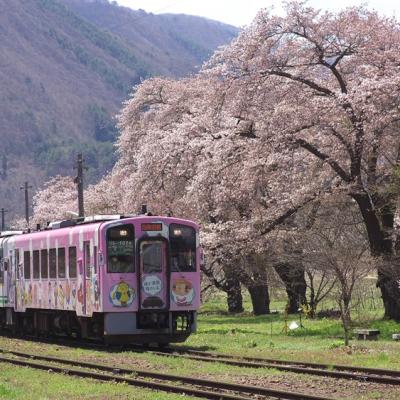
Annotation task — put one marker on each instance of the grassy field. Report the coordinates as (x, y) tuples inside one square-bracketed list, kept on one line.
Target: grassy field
[(320, 340), (24, 383)]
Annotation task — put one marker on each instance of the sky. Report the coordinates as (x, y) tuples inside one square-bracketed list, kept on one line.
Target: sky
[(241, 12)]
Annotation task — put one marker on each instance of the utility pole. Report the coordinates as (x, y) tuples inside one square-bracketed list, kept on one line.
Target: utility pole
[(79, 183), (3, 225), (26, 188)]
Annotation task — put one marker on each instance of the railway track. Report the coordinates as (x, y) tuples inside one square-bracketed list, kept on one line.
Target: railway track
[(362, 374), (376, 375), (201, 388)]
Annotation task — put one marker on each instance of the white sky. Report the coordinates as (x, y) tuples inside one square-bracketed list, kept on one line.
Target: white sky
[(241, 12)]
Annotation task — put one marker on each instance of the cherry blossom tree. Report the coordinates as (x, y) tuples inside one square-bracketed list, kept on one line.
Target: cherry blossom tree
[(55, 201), (322, 89), (177, 156)]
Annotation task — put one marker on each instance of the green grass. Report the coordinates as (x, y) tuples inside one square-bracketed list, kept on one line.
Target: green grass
[(321, 340), (25, 383)]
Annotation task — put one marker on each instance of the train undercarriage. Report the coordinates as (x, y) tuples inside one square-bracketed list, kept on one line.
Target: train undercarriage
[(113, 328)]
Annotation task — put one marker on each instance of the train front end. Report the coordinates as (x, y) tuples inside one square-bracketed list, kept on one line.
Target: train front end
[(151, 279)]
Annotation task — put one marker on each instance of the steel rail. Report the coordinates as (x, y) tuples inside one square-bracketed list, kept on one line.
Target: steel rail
[(360, 374), (203, 383), (337, 367)]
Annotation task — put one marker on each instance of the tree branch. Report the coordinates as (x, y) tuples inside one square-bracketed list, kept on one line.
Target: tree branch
[(287, 214), (308, 82), (324, 157)]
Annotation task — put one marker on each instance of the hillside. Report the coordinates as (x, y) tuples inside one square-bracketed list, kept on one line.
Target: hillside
[(172, 44), (65, 68)]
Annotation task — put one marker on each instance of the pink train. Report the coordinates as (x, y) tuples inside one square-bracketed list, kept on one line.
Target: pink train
[(120, 279)]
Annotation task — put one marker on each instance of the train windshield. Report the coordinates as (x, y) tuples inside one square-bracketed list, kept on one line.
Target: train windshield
[(152, 257), (120, 249), (183, 248)]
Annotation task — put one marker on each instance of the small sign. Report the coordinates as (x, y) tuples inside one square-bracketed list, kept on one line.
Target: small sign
[(152, 285), (120, 248), (152, 227)]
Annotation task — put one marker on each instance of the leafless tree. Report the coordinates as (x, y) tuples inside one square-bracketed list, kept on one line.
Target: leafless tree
[(337, 246)]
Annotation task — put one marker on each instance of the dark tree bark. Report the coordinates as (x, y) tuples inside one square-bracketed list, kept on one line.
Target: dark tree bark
[(229, 284), (295, 284), (259, 299), (254, 277), (379, 229), (234, 295)]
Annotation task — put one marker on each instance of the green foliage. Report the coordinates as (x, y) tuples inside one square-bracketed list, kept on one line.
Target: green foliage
[(102, 39), (336, 345), (105, 129), (58, 157), (191, 46), (111, 76)]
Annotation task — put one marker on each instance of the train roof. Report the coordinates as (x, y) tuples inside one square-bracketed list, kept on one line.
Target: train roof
[(4, 234), (86, 220), (93, 220)]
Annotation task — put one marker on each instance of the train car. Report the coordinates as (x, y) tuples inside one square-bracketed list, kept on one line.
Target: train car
[(119, 279)]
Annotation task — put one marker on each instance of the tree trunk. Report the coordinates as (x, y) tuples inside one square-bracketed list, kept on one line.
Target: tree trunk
[(381, 245), (230, 284), (312, 303), (259, 299), (344, 304), (295, 283), (234, 295), (390, 290)]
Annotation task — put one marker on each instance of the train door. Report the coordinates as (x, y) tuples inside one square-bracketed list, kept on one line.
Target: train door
[(87, 274), (153, 275), (84, 270), (7, 267), (6, 280)]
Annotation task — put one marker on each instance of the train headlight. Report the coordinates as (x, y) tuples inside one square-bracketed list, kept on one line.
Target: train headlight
[(177, 232)]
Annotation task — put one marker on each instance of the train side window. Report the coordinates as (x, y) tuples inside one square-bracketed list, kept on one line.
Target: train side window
[(27, 265), (72, 262), (95, 260), (61, 263), (36, 273), (16, 252), (44, 263), (53, 263), (87, 258)]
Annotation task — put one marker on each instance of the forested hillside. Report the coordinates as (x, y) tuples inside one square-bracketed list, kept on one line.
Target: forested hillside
[(171, 44), (62, 79)]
